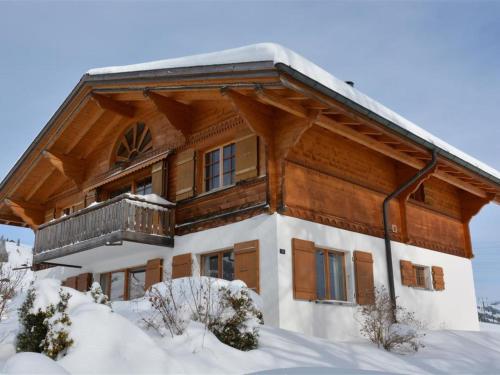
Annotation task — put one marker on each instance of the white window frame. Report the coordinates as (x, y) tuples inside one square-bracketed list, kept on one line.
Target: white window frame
[(221, 167)]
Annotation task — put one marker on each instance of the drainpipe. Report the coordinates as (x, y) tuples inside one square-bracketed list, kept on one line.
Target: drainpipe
[(385, 209)]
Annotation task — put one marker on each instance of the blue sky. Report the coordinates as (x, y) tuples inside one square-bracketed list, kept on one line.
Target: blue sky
[(436, 63)]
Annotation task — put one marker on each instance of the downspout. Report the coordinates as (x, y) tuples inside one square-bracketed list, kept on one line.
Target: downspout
[(385, 209)]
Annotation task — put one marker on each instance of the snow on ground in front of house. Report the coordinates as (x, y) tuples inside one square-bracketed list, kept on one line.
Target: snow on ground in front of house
[(117, 342)]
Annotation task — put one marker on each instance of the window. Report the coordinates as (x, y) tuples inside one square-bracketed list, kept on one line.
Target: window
[(421, 276), (136, 283), (136, 141), (144, 187), (124, 284), (219, 265), (117, 286), (219, 172), (120, 191), (330, 275)]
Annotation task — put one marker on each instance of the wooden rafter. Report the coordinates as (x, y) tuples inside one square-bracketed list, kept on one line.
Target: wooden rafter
[(104, 134), (83, 130), (31, 214), (36, 187), (72, 168), (108, 104), (177, 114)]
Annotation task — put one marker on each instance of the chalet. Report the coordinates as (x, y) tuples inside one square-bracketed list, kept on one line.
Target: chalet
[(251, 164)]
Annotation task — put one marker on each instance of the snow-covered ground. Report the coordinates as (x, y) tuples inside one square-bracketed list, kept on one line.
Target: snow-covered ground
[(116, 342)]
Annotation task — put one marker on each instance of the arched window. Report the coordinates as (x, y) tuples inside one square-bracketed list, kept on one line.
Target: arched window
[(136, 141)]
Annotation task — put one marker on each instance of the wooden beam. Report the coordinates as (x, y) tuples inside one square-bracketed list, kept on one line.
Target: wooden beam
[(108, 104), (83, 130), (177, 114), (372, 143), (31, 214), (36, 187), (106, 131), (72, 168), (257, 115), (282, 103)]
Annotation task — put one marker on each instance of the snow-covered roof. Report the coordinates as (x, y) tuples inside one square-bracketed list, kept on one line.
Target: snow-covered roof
[(281, 55)]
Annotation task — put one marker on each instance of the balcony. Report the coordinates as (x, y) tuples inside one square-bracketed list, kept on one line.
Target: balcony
[(130, 218)]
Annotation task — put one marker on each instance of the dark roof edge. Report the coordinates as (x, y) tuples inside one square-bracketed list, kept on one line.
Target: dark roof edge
[(389, 124)]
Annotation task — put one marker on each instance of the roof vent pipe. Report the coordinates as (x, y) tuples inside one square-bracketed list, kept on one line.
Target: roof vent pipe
[(350, 83)]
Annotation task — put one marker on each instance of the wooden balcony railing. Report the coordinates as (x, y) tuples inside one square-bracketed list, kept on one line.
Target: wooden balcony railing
[(126, 217)]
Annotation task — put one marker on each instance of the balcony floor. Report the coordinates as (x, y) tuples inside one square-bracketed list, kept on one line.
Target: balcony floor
[(115, 240)]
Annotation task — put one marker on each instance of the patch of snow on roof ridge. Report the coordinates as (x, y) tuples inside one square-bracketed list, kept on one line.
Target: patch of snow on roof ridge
[(279, 54)]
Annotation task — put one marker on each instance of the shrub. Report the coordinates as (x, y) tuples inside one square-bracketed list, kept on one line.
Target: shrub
[(57, 340), (34, 329), (44, 330), (378, 324), (98, 295), (225, 308), (237, 326)]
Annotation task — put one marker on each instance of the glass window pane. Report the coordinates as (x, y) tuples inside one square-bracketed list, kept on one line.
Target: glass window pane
[(104, 281), (136, 283), (211, 266), (228, 179), (320, 275), (337, 276), (215, 156), (117, 286), (228, 266)]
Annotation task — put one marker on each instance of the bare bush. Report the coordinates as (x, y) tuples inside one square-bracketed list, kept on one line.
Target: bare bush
[(390, 325), (11, 282), (230, 314)]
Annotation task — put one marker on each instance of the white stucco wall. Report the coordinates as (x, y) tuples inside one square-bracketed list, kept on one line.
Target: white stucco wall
[(453, 308)]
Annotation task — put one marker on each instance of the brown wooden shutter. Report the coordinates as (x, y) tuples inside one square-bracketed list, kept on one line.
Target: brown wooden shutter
[(71, 282), (246, 263), (90, 197), (408, 274), (158, 171), (182, 266), (154, 272), (185, 175), (363, 271), (438, 278), (246, 155), (83, 282), (304, 269)]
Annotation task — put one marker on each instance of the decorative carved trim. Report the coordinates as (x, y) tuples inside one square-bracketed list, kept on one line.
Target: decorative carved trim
[(342, 223), (212, 131)]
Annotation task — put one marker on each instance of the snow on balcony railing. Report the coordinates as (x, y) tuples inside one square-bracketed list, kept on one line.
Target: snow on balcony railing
[(149, 214)]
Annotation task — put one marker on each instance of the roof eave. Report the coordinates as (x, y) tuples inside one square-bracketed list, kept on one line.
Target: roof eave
[(381, 120)]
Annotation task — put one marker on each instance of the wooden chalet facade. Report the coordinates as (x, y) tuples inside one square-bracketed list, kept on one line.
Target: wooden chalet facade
[(249, 169)]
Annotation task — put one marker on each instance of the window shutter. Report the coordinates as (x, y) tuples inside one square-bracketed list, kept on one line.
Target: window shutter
[(154, 272), (246, 155), (304, 271), (83, 282), (363, 270), (181, 266), (158, 171), (438, 278), (408, 275), (246, 263), (185, 175), (70, 282)]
